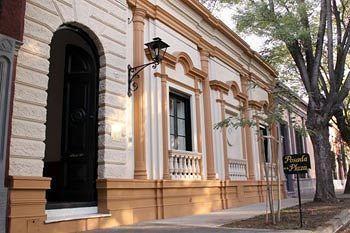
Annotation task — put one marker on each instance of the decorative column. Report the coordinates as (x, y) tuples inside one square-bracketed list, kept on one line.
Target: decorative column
[(274, 131), (139, 97), (247, 131), (224, 136), (165, 116), (207, 116), (198, 120)]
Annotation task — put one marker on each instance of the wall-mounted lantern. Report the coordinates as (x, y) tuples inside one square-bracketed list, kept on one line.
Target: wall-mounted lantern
[(157, 49)]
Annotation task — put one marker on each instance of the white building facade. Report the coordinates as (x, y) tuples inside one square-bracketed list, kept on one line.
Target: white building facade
[(84, 155)]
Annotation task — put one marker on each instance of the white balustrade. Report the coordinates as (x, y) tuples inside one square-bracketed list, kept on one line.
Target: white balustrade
[(268, 166), (237, 169), (184, 165)]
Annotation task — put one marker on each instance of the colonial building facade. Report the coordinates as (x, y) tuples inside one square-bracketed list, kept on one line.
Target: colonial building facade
[(294, 139), (84, 155)]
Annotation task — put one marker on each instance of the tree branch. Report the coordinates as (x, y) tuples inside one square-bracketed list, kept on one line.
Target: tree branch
[(308, 41), (337, 23), (344, 91), (298, 58), (343, 126), (319, 45), (323, 83), (330, 46), (341, 57)]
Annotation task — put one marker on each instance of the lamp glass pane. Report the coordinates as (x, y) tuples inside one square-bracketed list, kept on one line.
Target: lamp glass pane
[(153, 56), (156, 53), (155, 47)]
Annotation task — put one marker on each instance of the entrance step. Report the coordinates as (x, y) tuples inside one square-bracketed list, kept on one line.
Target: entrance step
[(66, 214)]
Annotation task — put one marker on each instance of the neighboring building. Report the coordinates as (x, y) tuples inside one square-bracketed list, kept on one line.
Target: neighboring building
[(11, 35), (83, 155), (340, 163), (294, 142)]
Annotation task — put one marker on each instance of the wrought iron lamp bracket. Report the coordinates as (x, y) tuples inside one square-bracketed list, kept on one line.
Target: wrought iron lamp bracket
[(133, 74)]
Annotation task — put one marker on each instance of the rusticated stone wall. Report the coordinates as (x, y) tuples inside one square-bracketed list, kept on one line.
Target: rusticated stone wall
[(105, 22)]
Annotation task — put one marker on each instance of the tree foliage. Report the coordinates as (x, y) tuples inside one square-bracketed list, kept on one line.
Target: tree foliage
[(315, 37)]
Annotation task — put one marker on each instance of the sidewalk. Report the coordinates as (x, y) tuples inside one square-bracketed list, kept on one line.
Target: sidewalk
[(205, 223), (215, 219)]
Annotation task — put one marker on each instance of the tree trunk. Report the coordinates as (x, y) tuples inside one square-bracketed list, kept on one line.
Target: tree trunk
[(320, 139), (347, 185)]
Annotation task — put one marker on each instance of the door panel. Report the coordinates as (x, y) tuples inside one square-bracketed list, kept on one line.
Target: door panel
[(79, 126)]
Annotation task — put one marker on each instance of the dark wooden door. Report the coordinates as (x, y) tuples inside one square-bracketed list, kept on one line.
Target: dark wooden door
[(79, 132)]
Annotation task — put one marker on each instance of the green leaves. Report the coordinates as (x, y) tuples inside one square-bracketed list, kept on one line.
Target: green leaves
[(276, 19)]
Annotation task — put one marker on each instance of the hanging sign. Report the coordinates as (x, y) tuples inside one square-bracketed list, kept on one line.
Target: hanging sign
[(297, 163)]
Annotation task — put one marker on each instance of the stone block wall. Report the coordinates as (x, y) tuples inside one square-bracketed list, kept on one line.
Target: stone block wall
[(106, 24)]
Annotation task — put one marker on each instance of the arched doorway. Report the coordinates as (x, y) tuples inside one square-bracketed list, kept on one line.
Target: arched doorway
[(71, 127)]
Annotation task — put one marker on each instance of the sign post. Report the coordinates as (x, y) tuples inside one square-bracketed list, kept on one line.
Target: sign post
[(297, 164), (300, 212)]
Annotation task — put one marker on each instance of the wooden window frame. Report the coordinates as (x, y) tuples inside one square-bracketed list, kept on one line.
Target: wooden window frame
[(188, 129)]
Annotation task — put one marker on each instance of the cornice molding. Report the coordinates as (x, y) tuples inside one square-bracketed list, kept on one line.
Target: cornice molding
[(156, 12)]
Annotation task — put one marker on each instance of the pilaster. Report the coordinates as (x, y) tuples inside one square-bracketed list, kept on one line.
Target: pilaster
[(198, 120), (139, 97), (165, 116), (224, 136), (248, 131), (204, 54)]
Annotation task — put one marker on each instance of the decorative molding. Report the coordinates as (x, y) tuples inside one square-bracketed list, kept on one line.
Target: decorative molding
[(184, 59), (6, 45), (156, 12), (9, 45), (255, 105), (234, 87), (226, 87), (218, 85)]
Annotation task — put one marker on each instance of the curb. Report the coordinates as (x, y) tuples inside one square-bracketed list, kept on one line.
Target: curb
[(335, 223), (256, 230)]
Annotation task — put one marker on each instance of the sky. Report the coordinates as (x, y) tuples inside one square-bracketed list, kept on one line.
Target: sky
[(225, 15), (255, 42)]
